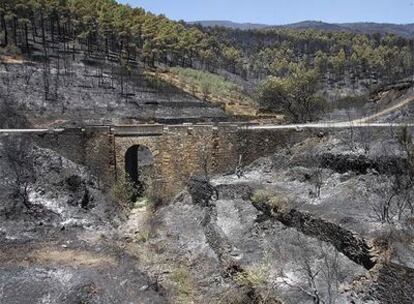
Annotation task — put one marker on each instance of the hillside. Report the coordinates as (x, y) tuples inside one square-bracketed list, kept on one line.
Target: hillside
[(148, 161), (39, 30), (103, 62), (403, 30), (93, 92), (330, 207), (229, 24)]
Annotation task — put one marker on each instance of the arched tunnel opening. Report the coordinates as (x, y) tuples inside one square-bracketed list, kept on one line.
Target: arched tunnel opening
[(138, 165)]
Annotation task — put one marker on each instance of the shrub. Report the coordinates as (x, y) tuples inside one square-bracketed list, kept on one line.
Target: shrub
[(254, 277), (277, 202), (261, 197), (123, 191), (153, 192), (206, 90), (144, 236), (183, 282), (295, 96)]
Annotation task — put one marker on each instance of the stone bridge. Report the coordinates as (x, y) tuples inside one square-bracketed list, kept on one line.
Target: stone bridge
[(165, 156), (168, 155)]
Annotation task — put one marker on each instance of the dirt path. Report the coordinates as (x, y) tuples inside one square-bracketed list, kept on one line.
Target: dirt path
[(362, 122), (391, 109)]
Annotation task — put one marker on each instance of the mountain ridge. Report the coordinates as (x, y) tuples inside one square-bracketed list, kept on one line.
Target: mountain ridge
[(230, 24), (404, 30)]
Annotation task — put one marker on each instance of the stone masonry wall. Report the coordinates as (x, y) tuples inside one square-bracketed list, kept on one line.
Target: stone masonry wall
[(182, 151), (179, 151), (91, 147)]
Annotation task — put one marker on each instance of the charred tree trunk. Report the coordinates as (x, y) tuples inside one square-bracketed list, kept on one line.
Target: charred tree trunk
[(52, 29), (34, 29), (88, 44), (15, 30), (106, 47), (26, 35), (4, 28), (121, 47), (59, 32), (42, 24)]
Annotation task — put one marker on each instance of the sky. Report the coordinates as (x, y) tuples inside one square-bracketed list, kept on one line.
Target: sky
[(276, 12)]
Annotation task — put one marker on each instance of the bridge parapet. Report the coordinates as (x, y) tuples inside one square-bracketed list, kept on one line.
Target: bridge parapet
[(139, 130)]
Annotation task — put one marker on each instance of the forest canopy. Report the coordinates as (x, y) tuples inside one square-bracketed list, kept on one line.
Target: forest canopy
[(110, 29), (268, 57)]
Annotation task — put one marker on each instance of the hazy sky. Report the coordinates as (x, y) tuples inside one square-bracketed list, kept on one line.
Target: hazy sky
[(282, 11)]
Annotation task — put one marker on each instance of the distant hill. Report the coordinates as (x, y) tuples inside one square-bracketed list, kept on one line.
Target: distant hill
[(404, 30), (230, 24), (317, 25)]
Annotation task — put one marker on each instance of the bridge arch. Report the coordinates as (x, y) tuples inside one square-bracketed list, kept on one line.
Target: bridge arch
[(139, 161)]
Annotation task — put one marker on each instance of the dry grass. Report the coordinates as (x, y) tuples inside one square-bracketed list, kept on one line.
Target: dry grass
[(175, 276), (184, 286), (12, 59), (234, 103), (71, 258), (54, 256), (278, 202)]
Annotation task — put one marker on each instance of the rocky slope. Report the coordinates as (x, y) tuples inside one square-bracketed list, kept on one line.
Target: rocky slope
[(393, 103), (270, 236), (304, 225), (64, 248)]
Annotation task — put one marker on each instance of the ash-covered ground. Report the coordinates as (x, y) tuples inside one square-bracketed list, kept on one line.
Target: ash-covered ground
[(328, 220), (391, 104), (303, 226), (58, 234), (66, 92)]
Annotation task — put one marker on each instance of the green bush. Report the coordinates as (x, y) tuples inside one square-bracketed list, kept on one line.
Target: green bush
[(295, 96)]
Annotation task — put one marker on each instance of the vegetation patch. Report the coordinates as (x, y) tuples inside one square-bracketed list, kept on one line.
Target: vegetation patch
[(124, 192), (212, 88), (184, 284), (277, 202), (295, 96), (254, 276), (210, 82)]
